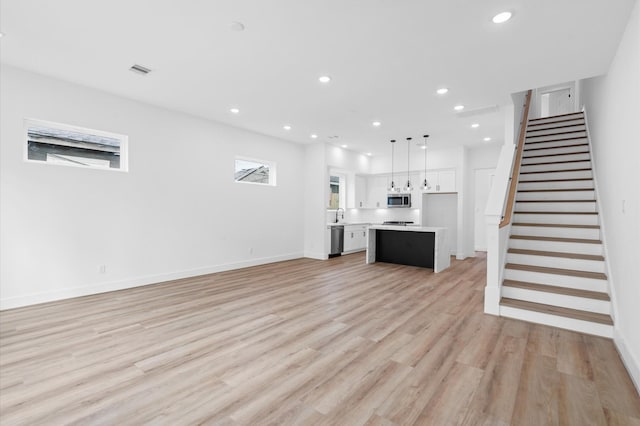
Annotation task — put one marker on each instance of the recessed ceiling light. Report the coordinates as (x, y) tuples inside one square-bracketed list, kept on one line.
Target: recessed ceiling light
[(234, 111), (376, 124), (423, 146), (501, 17), (369, 154), (487, 139), (314, 136), (344, 146), (475, 125), (458, 107), (1, 34), (324, 79), (237, 26), (442, 91), (286, 127)]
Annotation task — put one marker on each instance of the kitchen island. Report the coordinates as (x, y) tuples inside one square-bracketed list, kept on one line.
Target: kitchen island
[(409, 245)]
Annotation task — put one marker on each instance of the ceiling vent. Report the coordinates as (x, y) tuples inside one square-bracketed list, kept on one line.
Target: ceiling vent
[(139, 69), (478, 111)]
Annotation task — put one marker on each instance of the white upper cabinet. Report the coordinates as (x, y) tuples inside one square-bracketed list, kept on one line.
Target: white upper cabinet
[(361, 192), (376, 191), (441, 181)]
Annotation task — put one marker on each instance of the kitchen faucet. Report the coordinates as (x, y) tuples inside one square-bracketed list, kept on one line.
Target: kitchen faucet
[(337, 210)]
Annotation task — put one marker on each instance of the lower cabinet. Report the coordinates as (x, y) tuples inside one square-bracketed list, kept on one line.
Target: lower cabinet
[(355, 237)]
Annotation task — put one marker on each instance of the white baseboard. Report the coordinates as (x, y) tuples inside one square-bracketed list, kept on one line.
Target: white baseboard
[(630, 361), (68, 293), (317, 256)]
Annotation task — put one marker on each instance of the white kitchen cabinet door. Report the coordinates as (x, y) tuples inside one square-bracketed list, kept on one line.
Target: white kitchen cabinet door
[(362, 238), (432, 180), (355, 238), (447, 181), (377, 192), (361, 192)]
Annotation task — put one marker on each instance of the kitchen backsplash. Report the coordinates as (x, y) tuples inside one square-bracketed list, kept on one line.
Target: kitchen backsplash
[(376, 215)]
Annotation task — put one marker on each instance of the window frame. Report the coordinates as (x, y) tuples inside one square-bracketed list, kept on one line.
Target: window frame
[(272, 170), (124, 144)]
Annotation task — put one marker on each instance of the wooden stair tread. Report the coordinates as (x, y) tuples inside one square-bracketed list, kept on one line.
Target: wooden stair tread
[(557, 271), (556, 190), (554, 180), (528, 212), (554, 140), (556, 310), (556, 134), (557, 147), (556, 116), (536, 125), (555, 201), (556, 254), (556, 225), (556, 239), (551, 128), (553, 162), (555, 155), (588, 169), (588, 294)]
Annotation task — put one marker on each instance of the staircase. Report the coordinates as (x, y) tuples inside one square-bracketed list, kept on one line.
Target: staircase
[(555, 271)]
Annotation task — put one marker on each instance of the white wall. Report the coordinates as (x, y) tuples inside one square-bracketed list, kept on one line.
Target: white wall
[(612, 104), (316, 235), (177, 212)]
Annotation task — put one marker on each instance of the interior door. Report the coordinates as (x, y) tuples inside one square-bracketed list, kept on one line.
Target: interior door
[(483, 182)]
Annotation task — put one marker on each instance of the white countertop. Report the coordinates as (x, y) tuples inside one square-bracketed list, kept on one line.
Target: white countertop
[(412, 228), (347, 223)]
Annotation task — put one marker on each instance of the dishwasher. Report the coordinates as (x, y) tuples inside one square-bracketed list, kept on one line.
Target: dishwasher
[(337, 240)]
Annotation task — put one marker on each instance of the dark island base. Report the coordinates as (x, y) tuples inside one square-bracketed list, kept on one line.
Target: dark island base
[(405, 248)]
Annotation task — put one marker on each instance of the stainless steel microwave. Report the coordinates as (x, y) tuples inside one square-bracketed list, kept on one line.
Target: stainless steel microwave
[(398, 200)]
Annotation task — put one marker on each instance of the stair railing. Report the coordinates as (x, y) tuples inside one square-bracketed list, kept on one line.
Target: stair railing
[(515, 171)]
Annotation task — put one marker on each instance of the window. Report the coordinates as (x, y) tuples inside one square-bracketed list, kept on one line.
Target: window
[(336, 191), (61, 144), (255, 171)]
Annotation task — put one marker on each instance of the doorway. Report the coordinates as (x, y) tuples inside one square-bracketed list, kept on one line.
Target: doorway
[(556, 102), (483, 181)]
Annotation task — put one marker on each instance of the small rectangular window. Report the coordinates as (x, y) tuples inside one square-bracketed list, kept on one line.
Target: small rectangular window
[(255, 171), (67, 145)]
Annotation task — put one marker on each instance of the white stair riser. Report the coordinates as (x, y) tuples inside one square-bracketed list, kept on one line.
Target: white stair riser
[(542, 124), (556, 144), (580, 248), (573, 116), (565, 136), (556, 195), (554, 129), (556, 279), (564, 219), (570, 207), (582, 174), (596, 329), (536, 151), (569, 184), (556, 262), (552, 159), (556, 232), (556, 166), (562, 300)]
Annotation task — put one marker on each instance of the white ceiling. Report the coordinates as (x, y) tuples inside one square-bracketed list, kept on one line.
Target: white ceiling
[(386, 59)]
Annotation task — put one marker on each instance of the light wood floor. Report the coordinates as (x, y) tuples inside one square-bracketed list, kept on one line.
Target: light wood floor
[(304, 342)]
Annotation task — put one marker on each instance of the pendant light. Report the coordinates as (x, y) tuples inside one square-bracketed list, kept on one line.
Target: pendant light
[(425, 185), (392, 187), (408, 187)]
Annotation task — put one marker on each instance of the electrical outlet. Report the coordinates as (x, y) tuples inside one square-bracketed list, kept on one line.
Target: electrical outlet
[(250, 250), (102, 269)]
